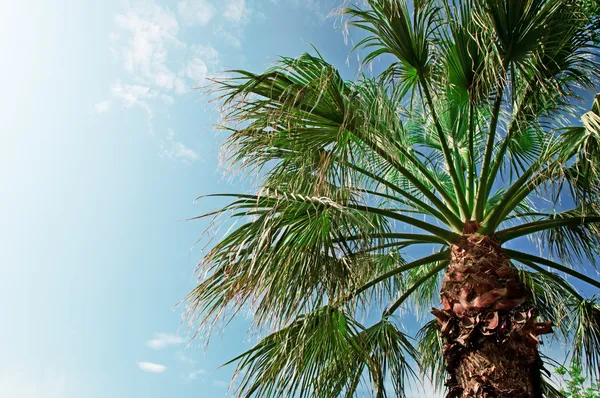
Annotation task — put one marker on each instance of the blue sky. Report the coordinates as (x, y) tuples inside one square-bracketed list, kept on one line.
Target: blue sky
[(105, 147)]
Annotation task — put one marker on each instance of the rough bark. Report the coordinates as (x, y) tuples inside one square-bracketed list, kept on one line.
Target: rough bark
[(488, 325)]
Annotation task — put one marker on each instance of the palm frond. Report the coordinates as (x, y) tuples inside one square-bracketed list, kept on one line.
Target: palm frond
[(426, 295), (467, 51), (325, 354), (427, 265), (391, 352), (551, 296), (394, 32), (549, 390), (565, 158), (572, 236), (586, 334), (302, 116), (431, 356), (529, 258), (285, 258), (573, 243), (414, 286), (519, 26), (316, 355)]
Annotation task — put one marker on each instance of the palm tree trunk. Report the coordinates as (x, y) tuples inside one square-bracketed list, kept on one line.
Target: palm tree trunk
[(488, 325)]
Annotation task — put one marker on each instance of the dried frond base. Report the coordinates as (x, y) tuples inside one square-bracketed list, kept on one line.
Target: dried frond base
[(490, 331)]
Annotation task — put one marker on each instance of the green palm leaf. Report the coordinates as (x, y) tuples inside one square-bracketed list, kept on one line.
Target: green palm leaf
[(324, 354)]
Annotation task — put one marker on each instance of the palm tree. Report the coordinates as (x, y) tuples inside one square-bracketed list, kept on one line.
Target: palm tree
[(377, 193)]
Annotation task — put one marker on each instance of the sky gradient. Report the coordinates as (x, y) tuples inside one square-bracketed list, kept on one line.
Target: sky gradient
[(105, 147)]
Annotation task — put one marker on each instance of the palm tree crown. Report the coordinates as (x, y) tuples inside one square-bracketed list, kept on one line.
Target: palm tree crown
[(472, 131)]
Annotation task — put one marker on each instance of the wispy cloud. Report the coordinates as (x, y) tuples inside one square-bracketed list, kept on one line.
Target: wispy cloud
[(227, 36), (152, 36), (173, 149), (159, 65), (163, 340), (180, 151), (196, 69), (184, 358), (316, 7), (102, 107), (236, 15), (236, 11), (204, 59), (151, 367), (197, 374), (153, 54), (196, 12), (132, 95)]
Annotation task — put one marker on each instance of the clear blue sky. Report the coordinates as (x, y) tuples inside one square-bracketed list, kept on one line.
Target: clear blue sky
[(104, 149)]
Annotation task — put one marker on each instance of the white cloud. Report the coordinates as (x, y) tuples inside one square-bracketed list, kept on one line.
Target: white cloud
[(167, 99), (159, 64), (196, 70), (102, 107), (151, 367), (236, 11), (153, 32), (234, 40), (180, 151), (315, 7), (209, 54), (153, 54), (180, 86), (165, 79), (236, 16), (184, 358), (162, 340), (196, 12), (132, 95), (425, 390), (173, 149), (195, 375)]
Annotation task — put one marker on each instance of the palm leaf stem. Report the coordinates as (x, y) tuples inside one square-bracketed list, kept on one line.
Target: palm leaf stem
[(416, 182), (446, 150), (444, 214), (541, 225), (507, 203), (262, 201), (417, 263), (472, 168), (395, 235), (446, 235), (415, 286), (506, 142), (431, 178), (541, 270), (400, 245), (520, 256), (489, 147)]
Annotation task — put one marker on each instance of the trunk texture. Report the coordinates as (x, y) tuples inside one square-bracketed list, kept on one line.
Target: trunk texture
[(488, 325)]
